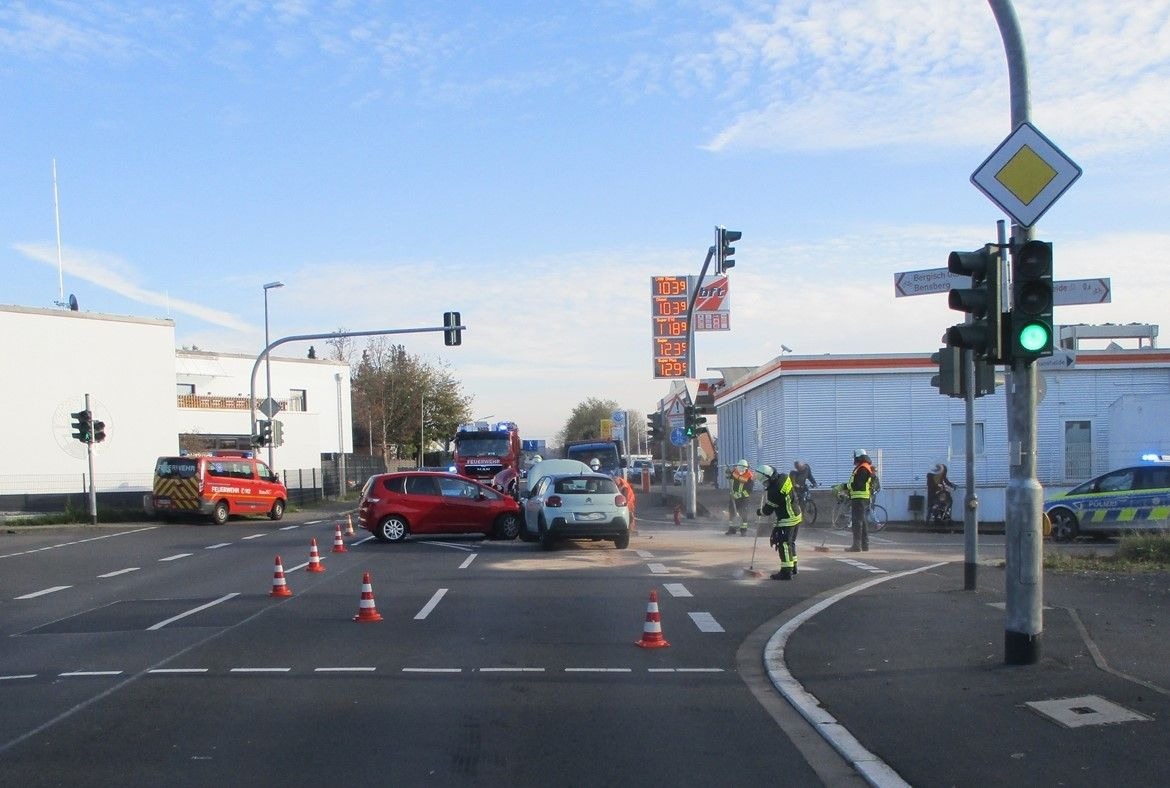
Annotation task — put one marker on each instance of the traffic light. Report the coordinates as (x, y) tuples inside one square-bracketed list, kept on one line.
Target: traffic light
[(1031, 313), (725, 249), (451, 335), (982, 300), (277, 433), (82, 426), (263, 433), (949, 380), (694, 422), (99, 431), (654, 431)]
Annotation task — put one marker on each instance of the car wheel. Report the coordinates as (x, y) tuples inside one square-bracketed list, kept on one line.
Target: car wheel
[(1064, 525), (277, 510), (391, 529), (219, 515), (622, 542), (507, 526), (547, 540)]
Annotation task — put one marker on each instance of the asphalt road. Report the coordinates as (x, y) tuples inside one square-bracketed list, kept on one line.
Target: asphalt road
[(147, 653)]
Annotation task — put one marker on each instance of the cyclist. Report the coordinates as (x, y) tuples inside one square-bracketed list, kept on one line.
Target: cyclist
[(940, 510), (862, 484), (802, 478)]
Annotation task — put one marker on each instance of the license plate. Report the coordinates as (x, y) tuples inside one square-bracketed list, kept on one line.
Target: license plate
[(590, 516)]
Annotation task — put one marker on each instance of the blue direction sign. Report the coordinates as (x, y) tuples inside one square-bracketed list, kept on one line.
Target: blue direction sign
[(678, 437)]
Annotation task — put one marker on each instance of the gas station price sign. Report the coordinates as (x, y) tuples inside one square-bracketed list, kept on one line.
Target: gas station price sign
[(669, 296)]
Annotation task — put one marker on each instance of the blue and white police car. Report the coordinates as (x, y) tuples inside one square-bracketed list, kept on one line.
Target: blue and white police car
[(1134, 498)]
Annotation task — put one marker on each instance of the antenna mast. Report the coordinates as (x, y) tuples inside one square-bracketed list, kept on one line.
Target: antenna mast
[(57, 219)]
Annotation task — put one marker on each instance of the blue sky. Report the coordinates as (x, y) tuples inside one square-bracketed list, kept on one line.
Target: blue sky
[(532, 164)]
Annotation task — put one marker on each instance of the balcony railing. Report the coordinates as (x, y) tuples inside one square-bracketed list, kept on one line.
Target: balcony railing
[(210, 402)]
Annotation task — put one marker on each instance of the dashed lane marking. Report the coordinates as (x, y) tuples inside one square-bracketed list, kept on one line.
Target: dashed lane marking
[(677, 590), (706, 622), (174, 557), (364, 670), (431, 605), (44, 591), (864, 566), (644, 554), (125, 571), (345, 670), (191, 612), (467, 562), (253, 536), (290, 527), (658, 569), (217, 546)]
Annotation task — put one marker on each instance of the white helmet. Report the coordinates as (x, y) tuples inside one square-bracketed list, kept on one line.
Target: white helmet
[(595, 464), (741, 464), (537, 458), (767, 471), (860, 453)]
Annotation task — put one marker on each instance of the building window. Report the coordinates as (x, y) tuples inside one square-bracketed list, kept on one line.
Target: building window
[(1078, 449), (185, 389), (959, 439), (298, 400)]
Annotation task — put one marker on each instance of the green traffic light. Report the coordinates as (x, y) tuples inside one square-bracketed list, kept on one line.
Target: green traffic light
[(1034, 337)]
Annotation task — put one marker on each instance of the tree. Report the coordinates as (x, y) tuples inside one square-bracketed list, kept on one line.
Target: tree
[(585, 420)]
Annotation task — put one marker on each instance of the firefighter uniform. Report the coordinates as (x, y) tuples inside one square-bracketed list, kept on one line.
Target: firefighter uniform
[(861, 486), (742, 484), (779, 498)]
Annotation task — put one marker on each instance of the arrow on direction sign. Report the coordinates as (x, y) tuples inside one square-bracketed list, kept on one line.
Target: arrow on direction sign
[(1082, 291)]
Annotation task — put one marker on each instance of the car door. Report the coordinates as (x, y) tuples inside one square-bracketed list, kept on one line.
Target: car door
[(1154, 496), (463, 506), (423, 504), (534, 503)]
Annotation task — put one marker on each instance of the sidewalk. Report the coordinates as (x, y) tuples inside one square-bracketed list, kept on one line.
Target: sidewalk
[(912, 668)]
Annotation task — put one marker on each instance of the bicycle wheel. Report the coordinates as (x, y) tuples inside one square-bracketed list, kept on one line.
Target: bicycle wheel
[(877, 517), (841, 515), (810, 512)]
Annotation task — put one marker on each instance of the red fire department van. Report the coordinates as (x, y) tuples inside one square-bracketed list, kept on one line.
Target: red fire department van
[(216, 485)]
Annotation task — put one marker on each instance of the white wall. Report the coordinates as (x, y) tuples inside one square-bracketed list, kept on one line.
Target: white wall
[(52, 359)]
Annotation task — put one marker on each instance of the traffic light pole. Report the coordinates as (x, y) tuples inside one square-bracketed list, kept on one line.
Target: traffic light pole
[(92, 486), (1024, 584)]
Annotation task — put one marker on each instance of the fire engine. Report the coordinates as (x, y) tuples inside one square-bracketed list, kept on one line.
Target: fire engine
[(484, 449)]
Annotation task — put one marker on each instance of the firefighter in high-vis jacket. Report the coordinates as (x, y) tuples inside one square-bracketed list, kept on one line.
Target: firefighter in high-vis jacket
[(742, 484), (779, 498), (862, 484)]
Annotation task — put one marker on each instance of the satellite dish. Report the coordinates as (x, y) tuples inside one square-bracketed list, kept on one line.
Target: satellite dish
[(72, 302)]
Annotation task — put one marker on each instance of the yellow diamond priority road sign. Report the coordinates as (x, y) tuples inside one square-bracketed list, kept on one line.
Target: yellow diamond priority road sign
[(1025, 175)]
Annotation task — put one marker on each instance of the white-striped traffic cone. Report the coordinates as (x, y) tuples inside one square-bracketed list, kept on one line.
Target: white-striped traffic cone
[(652, 629), (366, 609), (349, 525), (338, 542), (315, 564), (279, 586)]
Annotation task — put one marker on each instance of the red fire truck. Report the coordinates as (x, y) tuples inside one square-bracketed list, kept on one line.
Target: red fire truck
[(484, 449)]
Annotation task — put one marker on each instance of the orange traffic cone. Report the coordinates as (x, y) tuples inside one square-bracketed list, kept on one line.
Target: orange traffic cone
[(652, 629), (279, 587), (349, 525), (366, 609), (338, 544), (315, 564)]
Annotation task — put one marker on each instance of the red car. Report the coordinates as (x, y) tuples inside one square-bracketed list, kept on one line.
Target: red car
[(396, 505)]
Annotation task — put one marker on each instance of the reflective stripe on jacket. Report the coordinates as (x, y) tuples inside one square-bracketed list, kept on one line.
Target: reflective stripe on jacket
[(741, 484), (860, 484), (780, 497)]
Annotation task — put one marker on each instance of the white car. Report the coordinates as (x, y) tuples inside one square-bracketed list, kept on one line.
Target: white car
[(680, 475), (576, 506)]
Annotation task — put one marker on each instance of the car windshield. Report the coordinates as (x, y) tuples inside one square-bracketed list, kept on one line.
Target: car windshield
[(606, 454), (468, 447), (585, 485)]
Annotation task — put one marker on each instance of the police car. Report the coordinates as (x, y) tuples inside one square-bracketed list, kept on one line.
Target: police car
[(1136, 498)]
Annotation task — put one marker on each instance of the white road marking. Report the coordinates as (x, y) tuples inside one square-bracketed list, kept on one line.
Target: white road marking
[(462, 547), (684, 670), (677, 590), (191, 612), (468, 561), (75, 673), (44, 591), (125, 571), (658, 569), (298, 566), (253, 536), (79, 541), (429, 606), (644, 554), (217, 546), (598, 670), (18, 676), (260, 670), (432, 670), (290, 527), (175, 557), (863, 566), (176, 671), (510, 670), (706, 622), (344, 670)]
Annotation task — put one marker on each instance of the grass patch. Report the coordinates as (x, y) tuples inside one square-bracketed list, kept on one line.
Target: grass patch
[(1138, 553)]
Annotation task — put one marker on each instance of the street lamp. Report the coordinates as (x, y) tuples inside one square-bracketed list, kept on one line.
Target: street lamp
[(268, 360)]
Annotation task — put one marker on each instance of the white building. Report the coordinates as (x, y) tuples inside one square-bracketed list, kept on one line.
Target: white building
[(149, 396), (1106, 408)]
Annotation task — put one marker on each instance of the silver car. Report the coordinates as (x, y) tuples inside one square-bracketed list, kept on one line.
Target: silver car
[(576, 506)]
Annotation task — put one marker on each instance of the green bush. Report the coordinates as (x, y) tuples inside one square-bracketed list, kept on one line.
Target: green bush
[(1145, 549), (1134, 553)]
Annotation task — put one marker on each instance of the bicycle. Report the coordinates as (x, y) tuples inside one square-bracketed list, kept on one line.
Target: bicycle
[(876, 514), (808, 507), (940, 510)]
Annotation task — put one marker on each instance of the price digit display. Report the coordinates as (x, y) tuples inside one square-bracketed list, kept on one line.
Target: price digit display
[(669, 296)]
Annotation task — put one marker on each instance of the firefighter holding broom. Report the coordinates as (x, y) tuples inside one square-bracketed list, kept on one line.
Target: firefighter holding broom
[(779, 498)]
